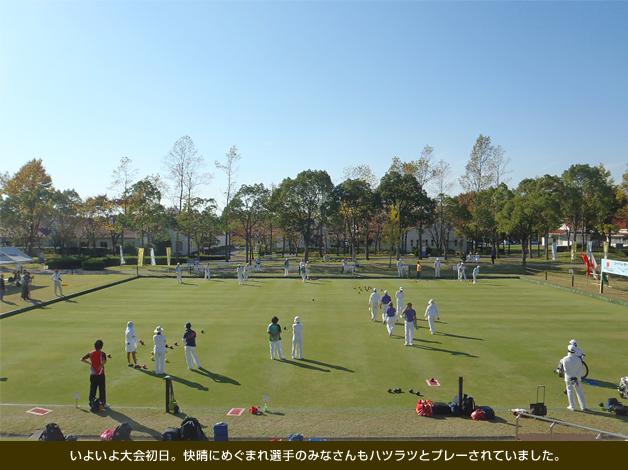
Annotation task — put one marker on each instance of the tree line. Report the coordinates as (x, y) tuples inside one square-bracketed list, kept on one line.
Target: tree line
[(360, 213)]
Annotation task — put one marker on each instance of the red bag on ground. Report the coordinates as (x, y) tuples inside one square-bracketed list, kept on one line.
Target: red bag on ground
[(254, 410), (478, 415), (424, 408), (106, 435)]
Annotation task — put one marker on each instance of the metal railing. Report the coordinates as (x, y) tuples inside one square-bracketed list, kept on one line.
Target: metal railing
[(554, 422)]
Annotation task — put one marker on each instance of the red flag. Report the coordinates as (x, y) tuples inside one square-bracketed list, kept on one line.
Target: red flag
[(587, 262)]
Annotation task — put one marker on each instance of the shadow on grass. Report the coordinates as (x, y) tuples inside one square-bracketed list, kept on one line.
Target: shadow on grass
[(221, 379), (602, 384), (453, 353), (344, 369), (187, 383), (300, 363), (135, 426), (438, 333)]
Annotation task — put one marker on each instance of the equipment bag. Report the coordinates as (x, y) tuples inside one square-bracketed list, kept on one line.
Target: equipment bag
[(424, 408), (441, 408), (171, 434), (191, 430), (478, 415), (96, 405), (455, 409), (467, 406), (52, 433), (489, 413), (106, 435), (122, 433), (539, 408)]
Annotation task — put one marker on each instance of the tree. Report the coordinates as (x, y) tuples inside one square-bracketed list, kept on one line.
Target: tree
[(248, 208), (479, 172), (184, 167), (355, 203), (230, 168), (304, 203), (361, 172), (65, 217), (26, 203), (147, 215), (441, 184), (121, 182)]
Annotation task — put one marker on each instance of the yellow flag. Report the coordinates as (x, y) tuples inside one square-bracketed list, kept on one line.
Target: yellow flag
[(168, 251), (140, 256)]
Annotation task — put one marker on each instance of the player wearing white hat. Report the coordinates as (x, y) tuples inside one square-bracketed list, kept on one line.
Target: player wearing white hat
[(399, 296), (572, 365), (130, 346), (374, 301), (297, 338), (160, 351), (431, 312)]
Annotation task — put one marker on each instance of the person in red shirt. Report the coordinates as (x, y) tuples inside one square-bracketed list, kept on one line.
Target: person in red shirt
[(97, 360)]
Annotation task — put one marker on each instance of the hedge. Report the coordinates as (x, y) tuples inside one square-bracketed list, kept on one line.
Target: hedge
[(93, 264)]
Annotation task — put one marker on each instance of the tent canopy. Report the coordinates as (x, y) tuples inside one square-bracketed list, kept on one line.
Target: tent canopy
[(11, 255)]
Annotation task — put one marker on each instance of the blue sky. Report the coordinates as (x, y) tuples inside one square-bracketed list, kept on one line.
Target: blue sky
[(310, 85)]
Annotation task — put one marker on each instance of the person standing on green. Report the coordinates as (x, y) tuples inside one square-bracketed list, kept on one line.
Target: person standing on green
[(286, 268), (274, 333)]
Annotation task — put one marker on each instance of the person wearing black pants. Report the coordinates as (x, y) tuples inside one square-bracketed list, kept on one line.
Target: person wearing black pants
[(97, 360)]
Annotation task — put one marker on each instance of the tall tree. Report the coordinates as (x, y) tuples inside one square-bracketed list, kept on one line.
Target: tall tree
[(230, 168), (441, 184), (122, 181), (26, 203), (479, 172), (185, 172), (304, 202), (247, 207), (65, 217)]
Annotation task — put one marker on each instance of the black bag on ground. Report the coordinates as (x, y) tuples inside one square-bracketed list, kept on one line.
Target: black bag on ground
[(122, 433), (489, 413), (191, 430), (539, 408), (441, 408), (454, 408), (617, 407), (96, 405), (171, 434), (52, 433), (467, 406)]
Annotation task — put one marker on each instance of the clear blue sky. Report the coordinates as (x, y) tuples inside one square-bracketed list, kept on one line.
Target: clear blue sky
[(310, 84)]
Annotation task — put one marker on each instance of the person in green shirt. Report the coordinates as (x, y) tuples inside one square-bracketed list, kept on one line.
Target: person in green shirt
[(274, 333), (286, 268)]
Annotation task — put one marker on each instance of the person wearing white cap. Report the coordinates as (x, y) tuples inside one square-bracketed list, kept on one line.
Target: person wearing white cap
[(286, 268), (131, 345), (399, 268), (572, 365), (374, 301), (297, 338), (436, 268), (399, 296), (579, 352), (476, 273), (207, 272), (56, 278), (462, 272), (431, 312), (160, 351), (240, 271)]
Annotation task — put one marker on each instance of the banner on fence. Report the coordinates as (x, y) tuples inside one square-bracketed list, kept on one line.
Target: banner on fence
[(554, 250), (619, 268), (152, 257), (168, 251), (122, 256), (140, 256)]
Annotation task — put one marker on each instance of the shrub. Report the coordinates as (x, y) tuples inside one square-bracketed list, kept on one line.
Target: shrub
[(93, 264), (65, 262)]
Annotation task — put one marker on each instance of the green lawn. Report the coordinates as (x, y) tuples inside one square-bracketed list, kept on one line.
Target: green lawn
[(504, 336)]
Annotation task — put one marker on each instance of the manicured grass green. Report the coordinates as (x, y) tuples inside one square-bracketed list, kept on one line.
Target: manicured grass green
[(504, 336)]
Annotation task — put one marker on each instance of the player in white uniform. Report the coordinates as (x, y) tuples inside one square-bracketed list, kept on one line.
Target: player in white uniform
[(399, 296), (297, 338), (572, 365), (374, 301), (430, 313)]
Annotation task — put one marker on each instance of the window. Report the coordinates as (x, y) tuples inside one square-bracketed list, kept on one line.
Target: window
[(103, 244)]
